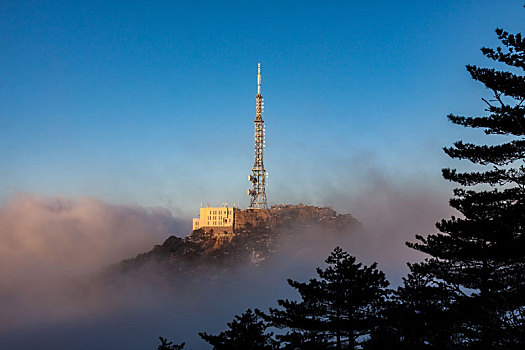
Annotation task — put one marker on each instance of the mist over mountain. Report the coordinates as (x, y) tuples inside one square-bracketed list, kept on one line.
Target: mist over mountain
[(200, 277), (141, 282), (263, 233)]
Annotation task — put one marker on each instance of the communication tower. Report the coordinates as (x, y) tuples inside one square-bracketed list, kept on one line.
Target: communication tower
[(258, 177)]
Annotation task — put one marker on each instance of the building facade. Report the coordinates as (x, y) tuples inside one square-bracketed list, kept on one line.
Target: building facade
[(216, 218)]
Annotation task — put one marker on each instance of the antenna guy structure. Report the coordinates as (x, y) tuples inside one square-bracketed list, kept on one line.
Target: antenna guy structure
[(258, 177)]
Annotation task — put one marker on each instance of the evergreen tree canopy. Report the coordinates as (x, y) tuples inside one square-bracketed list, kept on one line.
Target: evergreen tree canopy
[(479, 257), (168, 345), (336, 310), (418, 315), (246, 332)]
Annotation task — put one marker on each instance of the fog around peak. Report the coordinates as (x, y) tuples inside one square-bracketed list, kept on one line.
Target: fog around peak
[(53, 248)]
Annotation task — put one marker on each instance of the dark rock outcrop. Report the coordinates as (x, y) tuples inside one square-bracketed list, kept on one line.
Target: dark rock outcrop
[(257, 236)]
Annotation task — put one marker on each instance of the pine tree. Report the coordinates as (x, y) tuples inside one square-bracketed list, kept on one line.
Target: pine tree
[(246, 332), (336, 310), (418, 315), (304, 320), (479, 258), (168, 345)]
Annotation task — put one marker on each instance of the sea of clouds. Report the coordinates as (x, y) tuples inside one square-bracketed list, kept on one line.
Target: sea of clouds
[(52, 250)]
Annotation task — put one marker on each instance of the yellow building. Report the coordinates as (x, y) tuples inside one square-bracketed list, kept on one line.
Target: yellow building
[(220, 218)]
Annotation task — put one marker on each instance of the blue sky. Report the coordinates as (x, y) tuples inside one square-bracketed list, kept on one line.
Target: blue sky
[(152, 103)]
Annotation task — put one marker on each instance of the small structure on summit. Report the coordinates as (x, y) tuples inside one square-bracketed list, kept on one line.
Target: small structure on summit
[(220, 219)]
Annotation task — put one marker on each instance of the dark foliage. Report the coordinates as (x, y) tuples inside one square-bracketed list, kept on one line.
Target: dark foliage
[(421, 314), (335, 311), (167, 345), (246, 332), (470, 292)]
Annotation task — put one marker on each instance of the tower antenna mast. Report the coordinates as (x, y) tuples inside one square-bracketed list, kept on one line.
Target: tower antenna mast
[(258, 177)]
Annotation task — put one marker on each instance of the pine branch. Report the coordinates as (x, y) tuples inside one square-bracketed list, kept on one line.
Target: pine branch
[(502, 82), (503, 154), (493, 177), (504, 120), (515, 52)]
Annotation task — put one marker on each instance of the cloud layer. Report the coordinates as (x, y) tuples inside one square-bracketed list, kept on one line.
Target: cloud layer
[(49, 247), (46, 242)]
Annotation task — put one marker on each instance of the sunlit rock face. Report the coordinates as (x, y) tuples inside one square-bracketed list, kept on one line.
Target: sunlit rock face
[(258, 234), (291, 216)]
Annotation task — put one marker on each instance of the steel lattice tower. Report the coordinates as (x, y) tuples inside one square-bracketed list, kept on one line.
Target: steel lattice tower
[(258, 178)]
